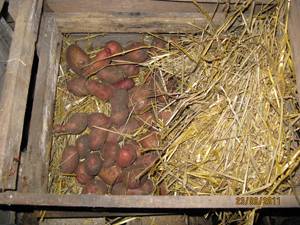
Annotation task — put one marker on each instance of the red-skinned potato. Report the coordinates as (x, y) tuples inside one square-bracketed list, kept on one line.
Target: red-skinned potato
[(113, 137), (110, 174), (130, 69), (126, 156), (76, 86), (76, 124), (139, 98), (159, 44), (151, 140), (93, 164), (134, 145), (165, 115), (82, 176), (76, 58), (69, 160), (145, 189), (147, 159), (130, 127), (82, 145), (114, 47), (110, 151), (101, 91), (111, 74), (126, 84), (95, 187), (99, 62), (119, 108), (146, 118), (133, 176), (139, 55), (119, 189), (98, 120), (97, 138)]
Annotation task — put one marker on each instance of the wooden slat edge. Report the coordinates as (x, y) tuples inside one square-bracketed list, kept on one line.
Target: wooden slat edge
[(294, 33), (35, 177), (152, 202), (13, 96), (128, 22)]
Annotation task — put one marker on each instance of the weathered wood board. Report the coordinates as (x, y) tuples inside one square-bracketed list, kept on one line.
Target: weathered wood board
[(14, 91)]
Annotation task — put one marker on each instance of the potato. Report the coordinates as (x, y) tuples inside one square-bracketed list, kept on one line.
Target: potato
[(76, 58), (139, 98), (98, 120), (126, 156), (113, 137), (95, 187), (119, 189), (97, 138), (130, 69), (147, 159), (82, 176), (111, 74), (76, 86), (110, 174), (101, 91), (134, 145), (146, 188), (126, 84), (82, 145), (114, 47), (159, 43), (133, 176), (69, 160), (99, 62), (150, 141), (130, 127), (146, 118), (119, 108), (163, 189), (93, 164), (76, 124), (108, 163), (110, 151), (139, 55), (165, 115)]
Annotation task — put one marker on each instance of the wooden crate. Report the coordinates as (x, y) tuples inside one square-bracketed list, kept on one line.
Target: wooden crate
[(129, 17)]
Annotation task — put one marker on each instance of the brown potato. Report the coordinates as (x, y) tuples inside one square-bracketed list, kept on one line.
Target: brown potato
[(119, 189), (126, 156), (93, 164), (147, 159), (114, 47), (150, 141), (126, 84), (111, 74), (76, 86), (110, 151), (119, 108), (130, 69), (130, 127), (139, 98), (110, 174), (76, 124), (76, 58), (134, 145), (98, 120), (82, 176), (113, 137), (95, 187), (101, 91), (158, 43), (97, 138), (139, 55), (99, 62), (69, 160), (165, 115), (82, 145)]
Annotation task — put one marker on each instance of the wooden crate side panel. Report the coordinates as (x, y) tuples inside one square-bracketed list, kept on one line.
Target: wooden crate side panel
[(15, 88), (35, 176), (128, 22), (5, 40), (150, 202), (294, 32)]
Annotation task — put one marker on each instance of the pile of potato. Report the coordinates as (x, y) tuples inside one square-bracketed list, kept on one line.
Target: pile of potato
[(103, 161)]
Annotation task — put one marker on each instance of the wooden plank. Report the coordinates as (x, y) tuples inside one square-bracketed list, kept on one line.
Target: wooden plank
[(132, 22), (13, 8), (15, 88), (1, 4), (294, 32), (35, 177), (150, 202), (216, 1), (5, 40)]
